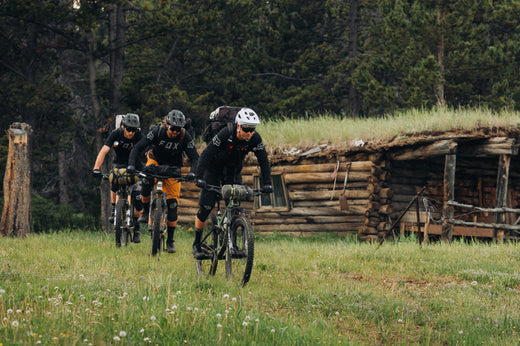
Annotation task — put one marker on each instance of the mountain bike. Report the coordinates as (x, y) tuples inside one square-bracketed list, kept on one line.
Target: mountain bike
[(157, 223), (228, 235), (124, 217)]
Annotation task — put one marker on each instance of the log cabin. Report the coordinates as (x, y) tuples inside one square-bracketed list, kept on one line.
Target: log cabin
[(437, 184)]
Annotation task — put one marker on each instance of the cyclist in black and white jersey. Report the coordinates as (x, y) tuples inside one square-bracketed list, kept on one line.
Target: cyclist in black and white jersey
[(122, 140), (221, 163)]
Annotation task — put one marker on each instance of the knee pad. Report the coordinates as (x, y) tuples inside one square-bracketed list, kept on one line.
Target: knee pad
[(203, 212), (172, 209)]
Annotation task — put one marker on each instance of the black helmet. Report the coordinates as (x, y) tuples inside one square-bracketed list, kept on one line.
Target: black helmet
[(176, 118), (130, 120)]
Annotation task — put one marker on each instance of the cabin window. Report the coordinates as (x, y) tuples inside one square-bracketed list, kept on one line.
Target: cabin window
[(277, 199)]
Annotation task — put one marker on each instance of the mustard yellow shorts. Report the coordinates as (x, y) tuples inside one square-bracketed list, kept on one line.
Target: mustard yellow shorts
[(171, 186)]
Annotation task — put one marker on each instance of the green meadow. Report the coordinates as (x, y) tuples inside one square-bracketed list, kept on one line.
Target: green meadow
[(77, 288)]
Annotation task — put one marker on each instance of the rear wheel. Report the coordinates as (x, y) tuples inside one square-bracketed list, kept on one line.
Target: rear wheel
[(119, 220), (156, 217), (239, 257), (208, 266)]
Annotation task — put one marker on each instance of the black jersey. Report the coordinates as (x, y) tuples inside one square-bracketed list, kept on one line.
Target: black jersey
[(225, 150), (166, 150), (122, 145)]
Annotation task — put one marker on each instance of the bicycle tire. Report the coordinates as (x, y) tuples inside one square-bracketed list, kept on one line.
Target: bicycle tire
[(125, 231), (208, 267), (118, 221), (239, 261), (156, 217)]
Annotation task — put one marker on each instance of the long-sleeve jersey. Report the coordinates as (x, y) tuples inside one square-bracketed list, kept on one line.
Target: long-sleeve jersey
[(166, 150), (225, 150), (122, 145)]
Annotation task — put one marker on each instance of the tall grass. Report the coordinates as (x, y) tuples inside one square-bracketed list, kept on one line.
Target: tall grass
[(342, 130), (78, 288)]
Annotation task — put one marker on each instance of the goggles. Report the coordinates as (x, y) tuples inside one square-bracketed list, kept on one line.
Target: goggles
[(175, 128), (131, 129), (247, 129)]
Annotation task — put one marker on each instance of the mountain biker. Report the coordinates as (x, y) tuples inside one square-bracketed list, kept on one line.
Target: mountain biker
[(168, 142), (221, 163), (122, 140)]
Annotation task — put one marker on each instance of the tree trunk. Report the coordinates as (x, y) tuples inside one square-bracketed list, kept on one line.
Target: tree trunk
[(96, 104), (16, 214), (62, 178), (117, 56)]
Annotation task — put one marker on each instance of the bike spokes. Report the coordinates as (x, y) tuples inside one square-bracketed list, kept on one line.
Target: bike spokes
[(240, 251)]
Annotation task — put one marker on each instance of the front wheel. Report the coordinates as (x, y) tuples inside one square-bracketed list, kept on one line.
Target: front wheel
[(208, 266), (156, 217), (241, 250), (119, 219)]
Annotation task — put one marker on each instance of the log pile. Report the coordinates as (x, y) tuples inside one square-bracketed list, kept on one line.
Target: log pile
[(379, 203)]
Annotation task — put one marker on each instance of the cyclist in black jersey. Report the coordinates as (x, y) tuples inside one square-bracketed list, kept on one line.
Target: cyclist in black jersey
[(123, 140), (168, 142), (221, 163)]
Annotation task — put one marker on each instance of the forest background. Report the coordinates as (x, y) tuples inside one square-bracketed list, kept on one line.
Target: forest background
[(68, 67)]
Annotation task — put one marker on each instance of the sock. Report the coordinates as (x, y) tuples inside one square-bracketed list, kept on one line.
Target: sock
[(198, 236), (171, 231)]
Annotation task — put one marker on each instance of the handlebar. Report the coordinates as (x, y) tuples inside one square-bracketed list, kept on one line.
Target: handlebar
[(235, 192), (182, 178)]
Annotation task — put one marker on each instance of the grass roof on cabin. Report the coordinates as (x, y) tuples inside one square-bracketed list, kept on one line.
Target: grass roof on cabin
[(341, 131)]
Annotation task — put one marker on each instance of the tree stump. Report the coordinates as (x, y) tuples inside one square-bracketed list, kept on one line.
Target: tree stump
[(16, 214)]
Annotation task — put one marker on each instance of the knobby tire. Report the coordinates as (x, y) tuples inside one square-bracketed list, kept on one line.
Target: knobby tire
[(125, 238), (208, 267), (119, 220), (156, 215), (239, 263)]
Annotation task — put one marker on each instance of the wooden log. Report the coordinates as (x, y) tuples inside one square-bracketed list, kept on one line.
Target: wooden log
[(312, 168), (443, 147), (373, 188), (298, 178), (306, 219), (314, 211), (491, 147), (386, 193), (501, 196), (368, 230), (320, 195), (303, 227), (449, 192), (353, 203), (386, 209), (328, 186), (458, 230), (16, 213)]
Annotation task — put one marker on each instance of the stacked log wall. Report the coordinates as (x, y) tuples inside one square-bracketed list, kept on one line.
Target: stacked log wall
[(313, 197), (379, 205)]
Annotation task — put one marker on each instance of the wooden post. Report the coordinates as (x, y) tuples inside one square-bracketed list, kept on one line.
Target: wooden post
[(449, 193), (16, 214), (502, 180)]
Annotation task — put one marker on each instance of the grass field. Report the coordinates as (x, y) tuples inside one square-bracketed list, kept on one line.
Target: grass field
[(70, 288)]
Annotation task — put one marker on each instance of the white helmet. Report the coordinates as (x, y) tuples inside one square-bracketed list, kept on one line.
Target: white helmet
[(247, 117)]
